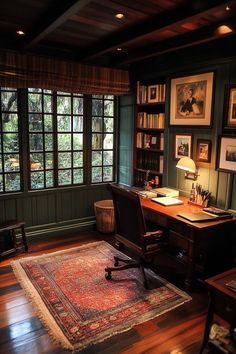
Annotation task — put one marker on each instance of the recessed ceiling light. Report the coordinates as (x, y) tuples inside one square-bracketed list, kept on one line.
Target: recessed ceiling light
[(119, 49), (227, 8), (119, 16), (224, 29), (20, 33)]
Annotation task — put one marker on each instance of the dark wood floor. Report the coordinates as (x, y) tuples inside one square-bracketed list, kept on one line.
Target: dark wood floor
[(176, 332)]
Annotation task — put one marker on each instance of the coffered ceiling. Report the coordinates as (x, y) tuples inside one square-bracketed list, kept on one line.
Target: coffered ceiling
[(89, 31)]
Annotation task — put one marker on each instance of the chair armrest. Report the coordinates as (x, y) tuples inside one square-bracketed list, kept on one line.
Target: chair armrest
[(153, 235)]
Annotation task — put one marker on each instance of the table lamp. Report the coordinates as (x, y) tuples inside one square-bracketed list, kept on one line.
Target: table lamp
[(188, 165)]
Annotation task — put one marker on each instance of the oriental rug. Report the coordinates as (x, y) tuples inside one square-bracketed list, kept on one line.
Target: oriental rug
[(78, 306)]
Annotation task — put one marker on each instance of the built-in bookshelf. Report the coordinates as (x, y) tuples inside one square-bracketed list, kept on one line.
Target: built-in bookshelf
[(149, 133)]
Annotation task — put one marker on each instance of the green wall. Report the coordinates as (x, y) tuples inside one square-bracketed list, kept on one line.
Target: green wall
[(66, 210), (199, 60)]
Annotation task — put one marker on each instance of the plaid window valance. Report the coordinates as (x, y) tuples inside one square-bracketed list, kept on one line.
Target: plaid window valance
[(28, 70)]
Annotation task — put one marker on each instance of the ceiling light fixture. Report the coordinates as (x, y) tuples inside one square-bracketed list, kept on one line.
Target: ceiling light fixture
[(20, 33), (119, 49), (224, 29), (227, 8), (119, 16)]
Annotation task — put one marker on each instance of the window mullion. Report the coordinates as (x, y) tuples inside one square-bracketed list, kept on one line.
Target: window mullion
[(55, 142)]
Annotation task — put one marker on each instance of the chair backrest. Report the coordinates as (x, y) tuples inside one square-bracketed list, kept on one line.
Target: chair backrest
[(130, 222)]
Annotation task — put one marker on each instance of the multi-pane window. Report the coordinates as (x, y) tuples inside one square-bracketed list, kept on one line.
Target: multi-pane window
[(40, 122), (55, 138), (102, 138), (70, 138), (10, 178), (52, 151)]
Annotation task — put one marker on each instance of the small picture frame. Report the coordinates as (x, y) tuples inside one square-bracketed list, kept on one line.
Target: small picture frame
[(227, 154), (230, 107), (182, 145), (203, 150), (153, 94)]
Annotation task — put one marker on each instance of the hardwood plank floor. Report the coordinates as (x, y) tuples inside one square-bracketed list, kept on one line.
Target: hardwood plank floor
[(176, 332)]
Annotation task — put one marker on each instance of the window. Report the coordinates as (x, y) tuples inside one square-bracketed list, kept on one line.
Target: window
[(47, 137), (10, 177), (70, 139), (55, 138), (103, 142)]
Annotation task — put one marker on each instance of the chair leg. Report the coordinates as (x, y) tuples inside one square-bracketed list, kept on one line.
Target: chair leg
[(129, 263), (145, 282)]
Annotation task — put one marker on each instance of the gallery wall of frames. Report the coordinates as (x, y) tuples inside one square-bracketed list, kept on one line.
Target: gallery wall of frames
[(200, 121)]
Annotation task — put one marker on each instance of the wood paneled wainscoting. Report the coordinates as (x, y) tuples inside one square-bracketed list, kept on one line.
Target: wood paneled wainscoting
[(179, 331)]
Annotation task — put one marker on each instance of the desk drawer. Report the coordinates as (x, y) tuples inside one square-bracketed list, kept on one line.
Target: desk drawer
[(155, 217), (178, 241), (178, 227), (225, 307)]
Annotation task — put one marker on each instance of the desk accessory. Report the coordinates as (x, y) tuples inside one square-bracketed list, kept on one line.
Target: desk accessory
[(167, 201), (216, 211), (166, 192), (197, 217), (199, 196)]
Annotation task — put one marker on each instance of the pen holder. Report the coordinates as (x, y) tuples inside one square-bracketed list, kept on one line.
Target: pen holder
[(201, 205)]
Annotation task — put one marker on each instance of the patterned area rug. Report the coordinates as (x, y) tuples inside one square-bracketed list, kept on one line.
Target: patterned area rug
[(79, 306)]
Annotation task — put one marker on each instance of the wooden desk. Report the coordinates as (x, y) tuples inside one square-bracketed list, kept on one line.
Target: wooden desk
[(208, 245), (222, 302)]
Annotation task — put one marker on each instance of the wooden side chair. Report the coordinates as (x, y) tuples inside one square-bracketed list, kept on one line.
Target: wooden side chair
[(131, 232)]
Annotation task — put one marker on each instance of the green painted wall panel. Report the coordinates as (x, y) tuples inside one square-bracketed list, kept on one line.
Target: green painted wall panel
[(125, 145)]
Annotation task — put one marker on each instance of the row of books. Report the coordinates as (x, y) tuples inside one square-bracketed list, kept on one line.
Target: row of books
[(150, 93), (150, 141), (150, 161), (152, 120)]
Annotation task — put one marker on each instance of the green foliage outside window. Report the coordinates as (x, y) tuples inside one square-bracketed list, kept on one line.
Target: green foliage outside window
[(10, 165), (102, 138), (56, 139)]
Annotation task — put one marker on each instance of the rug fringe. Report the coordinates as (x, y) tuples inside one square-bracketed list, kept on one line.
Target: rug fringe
[(41, 312)]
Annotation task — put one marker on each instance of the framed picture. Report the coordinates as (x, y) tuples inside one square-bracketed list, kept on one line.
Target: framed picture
[(230, 107), (227, 154), (191, 100), (203, 150), (182, 145), (153, 94)]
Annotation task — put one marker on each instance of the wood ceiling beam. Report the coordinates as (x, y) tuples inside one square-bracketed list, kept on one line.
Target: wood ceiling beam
[(189, 39), (57, 14), (185, 13)]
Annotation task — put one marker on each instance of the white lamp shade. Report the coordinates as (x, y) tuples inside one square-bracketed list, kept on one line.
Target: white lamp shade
[(186, 164)]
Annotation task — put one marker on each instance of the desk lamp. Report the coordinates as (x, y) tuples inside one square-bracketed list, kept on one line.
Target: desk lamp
[(188, 165)]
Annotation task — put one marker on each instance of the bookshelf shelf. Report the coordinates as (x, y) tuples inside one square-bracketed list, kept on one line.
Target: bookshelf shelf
[(151, 150), (151, 171), (149, 132)]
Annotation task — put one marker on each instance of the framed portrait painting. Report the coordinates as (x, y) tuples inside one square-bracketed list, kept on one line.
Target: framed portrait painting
[(227, 154), (182, 145), (230, 107), (203, 150), (191, 100)]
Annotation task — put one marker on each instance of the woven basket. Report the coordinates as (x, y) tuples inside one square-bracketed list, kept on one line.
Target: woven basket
[(105, 219)]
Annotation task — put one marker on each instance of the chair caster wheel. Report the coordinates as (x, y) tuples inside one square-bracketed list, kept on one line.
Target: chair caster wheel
[(108, 276)]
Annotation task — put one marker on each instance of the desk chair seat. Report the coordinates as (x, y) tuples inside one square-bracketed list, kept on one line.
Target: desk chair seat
[(131, 232)]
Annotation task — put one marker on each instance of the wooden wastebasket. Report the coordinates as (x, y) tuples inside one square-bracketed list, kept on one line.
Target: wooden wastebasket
[(105, 219)]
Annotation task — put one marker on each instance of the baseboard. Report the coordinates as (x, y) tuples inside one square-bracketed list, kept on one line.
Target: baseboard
[(59, 229)]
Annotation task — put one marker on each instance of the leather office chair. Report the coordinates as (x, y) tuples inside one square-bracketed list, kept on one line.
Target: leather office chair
[(131, 232)]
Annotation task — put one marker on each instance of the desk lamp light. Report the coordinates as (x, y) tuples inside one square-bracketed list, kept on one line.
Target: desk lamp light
[(188, 165)]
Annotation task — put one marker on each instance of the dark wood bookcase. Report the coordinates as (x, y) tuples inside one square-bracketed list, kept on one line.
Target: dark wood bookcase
[(149, 132)]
